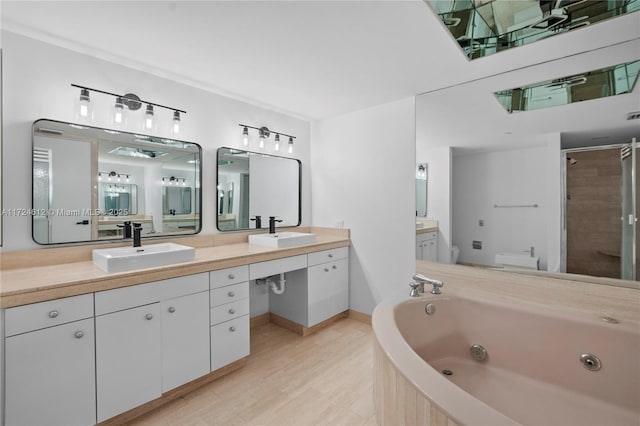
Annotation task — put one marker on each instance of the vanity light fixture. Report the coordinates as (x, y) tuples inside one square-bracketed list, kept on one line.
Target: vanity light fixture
[(124, 103), (174, 181), (113, 175), (264, 134)]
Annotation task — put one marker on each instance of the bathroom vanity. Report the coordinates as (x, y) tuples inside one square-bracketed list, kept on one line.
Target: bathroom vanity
[(83, 346)]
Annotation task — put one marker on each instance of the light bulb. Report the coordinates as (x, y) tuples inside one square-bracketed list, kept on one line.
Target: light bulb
[(127, 178), (99, 176), (118, 112), (162, 181), (262, 139), (277, 142), (245, 136), (290, 145), (148, 118), (175, 124), (83, 107)]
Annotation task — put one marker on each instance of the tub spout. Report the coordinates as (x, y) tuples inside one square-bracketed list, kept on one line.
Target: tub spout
[(437, 284)]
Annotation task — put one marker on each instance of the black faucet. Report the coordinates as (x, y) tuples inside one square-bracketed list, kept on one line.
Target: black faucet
[(258, 220), (272, 224), (126, 229), (137, 230)]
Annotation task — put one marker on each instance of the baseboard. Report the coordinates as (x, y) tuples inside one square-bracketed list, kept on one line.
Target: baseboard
[(173, 394), (301, 329), (259, 320), (359, 316)]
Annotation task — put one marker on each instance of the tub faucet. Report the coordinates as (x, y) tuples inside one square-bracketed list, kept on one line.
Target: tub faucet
[(437, 284)]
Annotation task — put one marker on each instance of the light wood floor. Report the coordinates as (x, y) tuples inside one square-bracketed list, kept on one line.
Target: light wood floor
[(322, 379)]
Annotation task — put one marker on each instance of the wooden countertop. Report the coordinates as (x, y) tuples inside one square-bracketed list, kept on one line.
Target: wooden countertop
[(425, 230), (601, 300), (52, 278)]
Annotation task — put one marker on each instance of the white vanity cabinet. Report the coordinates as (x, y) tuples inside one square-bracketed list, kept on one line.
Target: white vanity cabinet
[(49, 363), (328, 284), (427, 246), (144, 334), (229, 301)]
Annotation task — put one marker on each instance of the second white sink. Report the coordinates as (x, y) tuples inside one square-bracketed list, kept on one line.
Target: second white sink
[(148, 256), (282, 239)]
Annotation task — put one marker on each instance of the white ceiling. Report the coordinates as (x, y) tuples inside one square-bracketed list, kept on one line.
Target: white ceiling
[(311, 59)]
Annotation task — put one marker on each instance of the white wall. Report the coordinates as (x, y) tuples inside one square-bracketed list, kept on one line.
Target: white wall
[(363, 166), (37, 78), (508, 177)]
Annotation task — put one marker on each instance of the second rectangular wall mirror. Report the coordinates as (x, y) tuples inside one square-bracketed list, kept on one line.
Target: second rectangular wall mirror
[(252, 184)]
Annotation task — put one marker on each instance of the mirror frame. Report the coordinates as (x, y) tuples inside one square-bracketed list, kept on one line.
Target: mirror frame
[(115, 240), (263, 154)]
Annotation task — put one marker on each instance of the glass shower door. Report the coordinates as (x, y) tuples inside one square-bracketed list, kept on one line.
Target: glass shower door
[(629, 211)]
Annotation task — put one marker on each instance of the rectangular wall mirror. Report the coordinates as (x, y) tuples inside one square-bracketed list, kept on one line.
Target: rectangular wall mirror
[(252, 184), (88, 181)]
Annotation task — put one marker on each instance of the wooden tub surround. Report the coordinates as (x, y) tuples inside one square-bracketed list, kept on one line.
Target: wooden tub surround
[(410, 349), (117, 345)]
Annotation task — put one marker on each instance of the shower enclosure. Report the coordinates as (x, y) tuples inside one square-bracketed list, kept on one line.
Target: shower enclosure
[(600, 211)]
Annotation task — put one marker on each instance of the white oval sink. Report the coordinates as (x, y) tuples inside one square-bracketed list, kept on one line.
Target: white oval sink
[(148, 256), (282, 239)]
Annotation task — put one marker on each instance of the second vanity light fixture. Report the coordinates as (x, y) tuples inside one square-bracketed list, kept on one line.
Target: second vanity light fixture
[(84, 109), (263, 135)]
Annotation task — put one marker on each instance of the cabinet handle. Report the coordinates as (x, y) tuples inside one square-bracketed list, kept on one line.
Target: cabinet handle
[(232, 311), (79, 334), (149, 316), (232, 277), (231, 294), (330, 254), (54, 314), (326, 269), (334, 267), (172, 309), (232, 329)]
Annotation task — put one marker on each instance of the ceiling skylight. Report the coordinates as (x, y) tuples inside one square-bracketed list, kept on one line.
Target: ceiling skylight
[(136, 152), (485, 27), (600, 83)]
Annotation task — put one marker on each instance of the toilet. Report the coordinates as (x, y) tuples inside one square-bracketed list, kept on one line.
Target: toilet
[(455, 252)]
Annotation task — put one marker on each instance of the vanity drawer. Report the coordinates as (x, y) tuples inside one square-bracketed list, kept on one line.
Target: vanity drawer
[(230, 293), (277, 266), (123, 298), (229, 342), (224, 277), (328, 255), (229, 311), (22, 319)]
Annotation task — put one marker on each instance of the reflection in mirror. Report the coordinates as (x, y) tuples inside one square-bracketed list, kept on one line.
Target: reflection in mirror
[(87, 181), (253, 184), (421, 190)]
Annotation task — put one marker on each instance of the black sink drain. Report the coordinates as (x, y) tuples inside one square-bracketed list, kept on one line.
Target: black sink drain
[(447, 372)]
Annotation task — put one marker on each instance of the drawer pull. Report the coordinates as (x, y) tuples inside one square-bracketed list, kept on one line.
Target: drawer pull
[(326, 269), (330, 254), (79, 334), (231, 294), (54, 314), (232, 329), (232, 311), (171, 309), (149, 317), (232, 277), (334, 267)]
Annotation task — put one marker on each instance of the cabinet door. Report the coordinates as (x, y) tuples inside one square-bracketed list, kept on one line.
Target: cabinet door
[(50, 376), (229, 342), (128, 359), (431, 249), (328, 286), (185, 339)]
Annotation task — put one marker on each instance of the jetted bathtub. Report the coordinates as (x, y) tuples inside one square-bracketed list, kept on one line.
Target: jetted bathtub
[(533, 373)]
